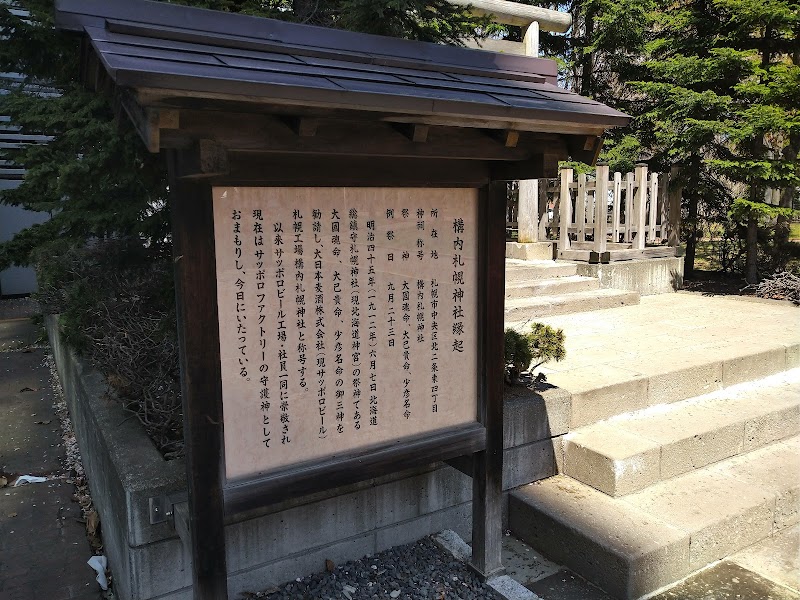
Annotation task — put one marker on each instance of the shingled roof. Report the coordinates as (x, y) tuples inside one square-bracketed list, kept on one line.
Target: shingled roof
[(196, 53)]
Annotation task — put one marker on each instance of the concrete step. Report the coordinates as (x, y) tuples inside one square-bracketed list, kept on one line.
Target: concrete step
[(520, 309), (630, 452), (526, 270), (666, 349), (633, 545), (555, 286)]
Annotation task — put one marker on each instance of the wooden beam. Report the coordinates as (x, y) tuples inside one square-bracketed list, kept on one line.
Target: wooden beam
[(302, 126), (254, 169), (203, 159), (514, 13), (508, 137), (148, 121), (415, 132), (585, 148), (340, 136), (353, 467), (201, 382)]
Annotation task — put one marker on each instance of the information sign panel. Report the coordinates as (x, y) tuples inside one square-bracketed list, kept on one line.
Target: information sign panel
[(348, 317)]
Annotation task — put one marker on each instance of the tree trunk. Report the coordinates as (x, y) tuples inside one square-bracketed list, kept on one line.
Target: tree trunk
[(783, 225), (691, 236), (751, 269), (303, 9), (587, 59)]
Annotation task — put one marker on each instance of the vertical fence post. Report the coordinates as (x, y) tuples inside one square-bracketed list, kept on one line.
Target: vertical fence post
[(663, 206), (528, 211), (580, 207), (653, 207), (629, 206), (601, 209), (564, 210), (640, 205), (544, 219), (615, 210)]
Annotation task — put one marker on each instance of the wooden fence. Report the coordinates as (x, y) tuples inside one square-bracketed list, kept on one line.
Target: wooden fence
[(600, 218)]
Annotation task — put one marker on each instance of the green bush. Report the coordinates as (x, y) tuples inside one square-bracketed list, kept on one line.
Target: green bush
[(540, 345)]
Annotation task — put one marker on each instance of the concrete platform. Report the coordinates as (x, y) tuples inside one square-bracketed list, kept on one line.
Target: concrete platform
[(636, 544), (668, 348), (630, 452)]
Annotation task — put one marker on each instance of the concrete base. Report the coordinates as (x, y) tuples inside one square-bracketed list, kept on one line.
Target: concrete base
[(651, 276), (274, 544), (530, 251), (268, 547)]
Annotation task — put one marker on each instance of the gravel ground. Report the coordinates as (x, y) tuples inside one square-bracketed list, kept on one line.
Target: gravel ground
[(418, 571)]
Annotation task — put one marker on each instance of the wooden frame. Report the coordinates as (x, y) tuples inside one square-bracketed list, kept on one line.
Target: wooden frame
[(210, 499)]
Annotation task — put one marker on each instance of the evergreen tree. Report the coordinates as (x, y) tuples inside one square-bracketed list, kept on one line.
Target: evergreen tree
[(96, 179)]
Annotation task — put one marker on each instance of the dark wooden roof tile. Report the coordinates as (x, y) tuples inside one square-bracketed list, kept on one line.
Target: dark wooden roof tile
[(201, 53)]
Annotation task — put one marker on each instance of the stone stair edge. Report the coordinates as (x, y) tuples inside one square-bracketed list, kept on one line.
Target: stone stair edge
[(627, 453), (679, 382), (559, 304), (631, 550)]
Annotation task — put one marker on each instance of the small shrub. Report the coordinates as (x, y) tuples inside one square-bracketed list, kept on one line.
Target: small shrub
[(116, 304), (540, 345)]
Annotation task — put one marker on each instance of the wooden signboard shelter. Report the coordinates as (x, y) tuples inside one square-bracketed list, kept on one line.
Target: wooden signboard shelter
[(338, 206)]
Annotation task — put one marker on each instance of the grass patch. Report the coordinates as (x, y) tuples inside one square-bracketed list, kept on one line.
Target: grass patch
[(707, 256), (794, 232)]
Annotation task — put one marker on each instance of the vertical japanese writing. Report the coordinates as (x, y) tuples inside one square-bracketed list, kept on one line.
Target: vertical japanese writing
[(347, 319), (261, 305), (355, 317), (433, 288), (300, 296), (458, 289), (338, 345), (406, 308), (319, 320), (241, 306), (372, 318), (280, 331)]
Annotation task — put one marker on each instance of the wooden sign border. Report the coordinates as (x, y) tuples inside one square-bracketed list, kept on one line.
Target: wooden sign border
[(211, 502)]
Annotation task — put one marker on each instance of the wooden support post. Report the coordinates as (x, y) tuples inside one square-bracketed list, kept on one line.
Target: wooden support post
[(201, 384), (487, 475), (629, 204), (528, 211), (653, 212), (580, 207), (601, 209), (663, 206), (544, 220), (564, 211), (616, 209), (640, 206)]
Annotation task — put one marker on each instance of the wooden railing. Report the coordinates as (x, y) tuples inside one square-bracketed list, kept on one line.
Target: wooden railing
[(607, 212)]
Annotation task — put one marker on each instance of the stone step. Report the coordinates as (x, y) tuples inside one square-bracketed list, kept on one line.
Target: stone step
[(635, 544), (555, 286), (630, 452), (526, 270), (520, 309)]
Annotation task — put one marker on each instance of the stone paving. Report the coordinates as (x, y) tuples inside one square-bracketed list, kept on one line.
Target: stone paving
[(43, 545), (666, 332)]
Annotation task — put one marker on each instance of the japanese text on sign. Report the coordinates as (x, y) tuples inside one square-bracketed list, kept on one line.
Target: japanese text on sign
[(348, 317)]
